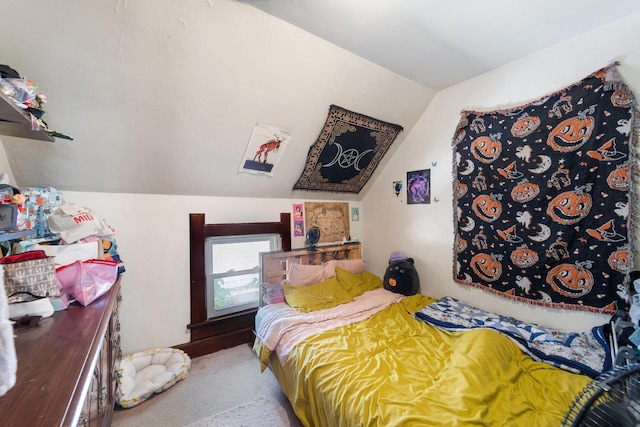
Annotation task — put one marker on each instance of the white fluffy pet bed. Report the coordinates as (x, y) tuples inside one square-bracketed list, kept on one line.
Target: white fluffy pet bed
[(141, 374)]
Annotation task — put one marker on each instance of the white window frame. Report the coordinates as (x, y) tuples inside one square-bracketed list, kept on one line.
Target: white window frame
[(213, 313)]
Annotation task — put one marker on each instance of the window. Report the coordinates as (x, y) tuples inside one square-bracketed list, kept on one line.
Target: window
[(209, 334), (233, 271)]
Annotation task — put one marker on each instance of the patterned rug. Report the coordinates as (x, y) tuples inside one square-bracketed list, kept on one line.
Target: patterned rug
[(543, 197), (346, 153)]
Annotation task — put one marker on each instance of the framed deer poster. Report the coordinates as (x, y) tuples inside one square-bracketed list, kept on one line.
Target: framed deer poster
[(264, 150)]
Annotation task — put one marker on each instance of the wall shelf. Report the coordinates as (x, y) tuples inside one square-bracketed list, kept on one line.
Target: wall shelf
[(15, 122)]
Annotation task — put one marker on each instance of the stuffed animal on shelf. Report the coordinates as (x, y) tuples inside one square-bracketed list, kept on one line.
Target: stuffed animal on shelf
[(401, 276)]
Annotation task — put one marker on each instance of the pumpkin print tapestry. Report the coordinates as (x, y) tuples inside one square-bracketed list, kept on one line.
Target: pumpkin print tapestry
[(542, 197), (346, 153)]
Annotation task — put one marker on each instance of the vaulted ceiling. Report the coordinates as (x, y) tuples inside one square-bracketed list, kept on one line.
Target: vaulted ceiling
[(440, 43), (161, 98)]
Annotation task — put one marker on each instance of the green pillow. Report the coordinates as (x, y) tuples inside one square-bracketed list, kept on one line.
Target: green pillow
[(319, 296), (357, 284)]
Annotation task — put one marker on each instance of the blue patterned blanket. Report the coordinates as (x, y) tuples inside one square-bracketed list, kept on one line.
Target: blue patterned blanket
[(587, 353)]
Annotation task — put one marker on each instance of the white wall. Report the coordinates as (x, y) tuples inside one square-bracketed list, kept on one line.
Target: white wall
[(152, 232), (425, 232)]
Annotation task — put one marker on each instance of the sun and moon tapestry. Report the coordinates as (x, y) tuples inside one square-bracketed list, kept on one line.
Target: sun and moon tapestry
[(347, 152), (544, 206)]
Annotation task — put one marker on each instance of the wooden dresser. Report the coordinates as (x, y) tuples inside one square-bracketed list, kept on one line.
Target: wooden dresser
[(66, 367)]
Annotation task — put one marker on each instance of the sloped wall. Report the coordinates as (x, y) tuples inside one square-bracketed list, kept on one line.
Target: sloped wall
[(162, 97)]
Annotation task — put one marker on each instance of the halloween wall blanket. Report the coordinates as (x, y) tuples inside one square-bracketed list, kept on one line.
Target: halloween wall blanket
[(542, 197), (346, 153)]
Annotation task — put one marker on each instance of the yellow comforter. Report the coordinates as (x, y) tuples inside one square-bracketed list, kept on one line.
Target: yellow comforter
[(393, 370)]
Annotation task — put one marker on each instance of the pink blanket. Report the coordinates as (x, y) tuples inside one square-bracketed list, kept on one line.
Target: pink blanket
[(282, 326)]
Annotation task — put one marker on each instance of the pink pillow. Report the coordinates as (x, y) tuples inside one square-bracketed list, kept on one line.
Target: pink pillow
[(304, 275), (355, 266)]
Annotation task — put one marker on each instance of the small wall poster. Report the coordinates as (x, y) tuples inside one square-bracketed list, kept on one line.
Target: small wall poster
[(298, 220), (264, 150), (419, 187), (355, 214)]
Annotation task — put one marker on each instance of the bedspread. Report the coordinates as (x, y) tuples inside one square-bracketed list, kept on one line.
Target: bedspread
[(585, 353), (282, 328), (393, 370)]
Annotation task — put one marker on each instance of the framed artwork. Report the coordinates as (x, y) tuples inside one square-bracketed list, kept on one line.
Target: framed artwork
[(419, 187), (332, 218), (298, 212), (298, 228), (264, 150)]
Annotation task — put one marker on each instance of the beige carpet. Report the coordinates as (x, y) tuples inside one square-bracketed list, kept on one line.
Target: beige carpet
[(216, 383), (261, 411)]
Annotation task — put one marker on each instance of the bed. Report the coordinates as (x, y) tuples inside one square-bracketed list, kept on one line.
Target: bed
[(372, 361)]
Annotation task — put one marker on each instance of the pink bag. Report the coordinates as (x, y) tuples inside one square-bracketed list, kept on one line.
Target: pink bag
[(88, 280)]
